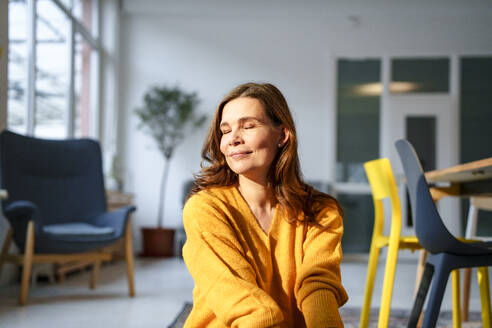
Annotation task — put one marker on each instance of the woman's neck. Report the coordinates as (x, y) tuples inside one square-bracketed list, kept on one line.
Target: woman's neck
[(257, 194)]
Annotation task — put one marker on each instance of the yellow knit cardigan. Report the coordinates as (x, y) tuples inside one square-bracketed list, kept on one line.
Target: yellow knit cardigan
[(245, 277)]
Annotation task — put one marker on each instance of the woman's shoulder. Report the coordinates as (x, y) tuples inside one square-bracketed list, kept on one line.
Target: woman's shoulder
[(208, 210), (211, 196), (326, 208)]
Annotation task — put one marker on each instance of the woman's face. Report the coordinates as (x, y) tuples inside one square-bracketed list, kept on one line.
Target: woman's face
[(249, 139)]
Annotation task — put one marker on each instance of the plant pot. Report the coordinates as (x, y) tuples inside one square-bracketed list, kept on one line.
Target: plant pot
[(158, 242)]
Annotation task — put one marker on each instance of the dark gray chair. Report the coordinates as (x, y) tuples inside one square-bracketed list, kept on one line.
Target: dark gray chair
[(56, 205), (446, 253)]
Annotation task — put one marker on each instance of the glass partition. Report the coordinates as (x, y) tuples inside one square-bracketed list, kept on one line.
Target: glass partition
[(358, 103), (358, 222), (412, 75), (358, 109), (475, 122)]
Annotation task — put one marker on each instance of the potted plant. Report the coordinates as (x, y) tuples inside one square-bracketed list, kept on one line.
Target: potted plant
[(167, 114)]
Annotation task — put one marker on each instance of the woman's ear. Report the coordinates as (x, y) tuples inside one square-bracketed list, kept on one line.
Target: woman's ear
[(284, 137)]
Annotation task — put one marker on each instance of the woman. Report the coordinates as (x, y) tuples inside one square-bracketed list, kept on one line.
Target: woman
[(262, 246)]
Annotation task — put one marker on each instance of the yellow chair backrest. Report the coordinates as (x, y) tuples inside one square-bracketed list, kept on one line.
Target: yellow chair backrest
[(383, 185), (381, 178)]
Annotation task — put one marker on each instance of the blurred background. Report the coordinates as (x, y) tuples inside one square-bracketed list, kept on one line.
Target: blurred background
[(357, 75)]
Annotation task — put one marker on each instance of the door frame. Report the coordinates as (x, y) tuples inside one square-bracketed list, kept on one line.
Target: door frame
[(447, 142)]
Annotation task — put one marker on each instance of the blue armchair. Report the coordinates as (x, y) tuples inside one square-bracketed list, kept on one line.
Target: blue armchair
[(57, 205)]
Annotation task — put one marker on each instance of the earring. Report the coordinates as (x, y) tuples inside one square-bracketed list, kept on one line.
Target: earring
[(280, 145)]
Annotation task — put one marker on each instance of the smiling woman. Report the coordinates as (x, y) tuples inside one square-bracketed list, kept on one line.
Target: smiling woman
[(249, 140), (263, 246)]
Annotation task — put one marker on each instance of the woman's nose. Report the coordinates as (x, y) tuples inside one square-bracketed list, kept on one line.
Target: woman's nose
[(236, 138)]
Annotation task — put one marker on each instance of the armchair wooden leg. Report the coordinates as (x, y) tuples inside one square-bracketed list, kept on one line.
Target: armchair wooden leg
[(466, 293), (129, 258), (27, 263), (5, 248), (94, 274)]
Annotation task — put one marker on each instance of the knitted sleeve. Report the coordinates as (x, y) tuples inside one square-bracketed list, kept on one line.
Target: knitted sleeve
[(221, 273), (318, 289)]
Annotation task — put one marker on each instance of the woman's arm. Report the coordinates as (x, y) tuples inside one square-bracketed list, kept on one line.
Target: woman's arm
[(319, 291), (222, 275)]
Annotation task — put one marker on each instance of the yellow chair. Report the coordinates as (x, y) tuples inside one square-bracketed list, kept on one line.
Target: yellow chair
[(383, 185)]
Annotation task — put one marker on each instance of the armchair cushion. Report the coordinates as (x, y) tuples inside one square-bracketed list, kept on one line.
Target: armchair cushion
[(115, 219), (77, 230), (76, 238)]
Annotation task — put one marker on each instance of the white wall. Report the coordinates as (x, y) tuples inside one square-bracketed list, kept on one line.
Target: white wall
[(211, 46)]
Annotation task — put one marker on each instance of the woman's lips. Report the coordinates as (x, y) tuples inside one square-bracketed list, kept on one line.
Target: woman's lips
[(239, 154)]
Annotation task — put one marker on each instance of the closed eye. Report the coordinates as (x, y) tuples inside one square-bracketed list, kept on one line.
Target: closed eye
[(225, 131)]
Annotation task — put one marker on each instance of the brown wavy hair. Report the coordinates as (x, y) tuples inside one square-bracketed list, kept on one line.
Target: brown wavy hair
[(300, 201)]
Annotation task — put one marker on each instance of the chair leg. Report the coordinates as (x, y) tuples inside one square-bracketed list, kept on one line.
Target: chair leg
[(418, 304), (420, 271), (5, 248), (483, 283), (420, 268), (471, 230), (371, 275), (466, 292), (27, 262), (435, 298), (389, 278), (455, 274), (94, 274), (129, 259)]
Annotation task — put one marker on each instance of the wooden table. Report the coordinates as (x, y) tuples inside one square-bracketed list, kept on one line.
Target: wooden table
[(473, 178)]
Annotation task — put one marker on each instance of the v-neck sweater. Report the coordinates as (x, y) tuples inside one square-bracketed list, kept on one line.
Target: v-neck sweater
[(244, 277)]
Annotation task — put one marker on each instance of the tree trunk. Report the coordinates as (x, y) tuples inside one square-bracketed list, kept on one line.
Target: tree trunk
[(162, 194)]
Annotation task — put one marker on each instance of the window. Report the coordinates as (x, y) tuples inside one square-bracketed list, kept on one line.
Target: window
[(17, 66), (419, 75), (59, 98), (357, 209), (358, 106), (476, 115), (52, 71), (83, 92), (358, 99), (475, 118)]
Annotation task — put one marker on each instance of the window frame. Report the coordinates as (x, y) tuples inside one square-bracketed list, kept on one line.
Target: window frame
[(93, 40)]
